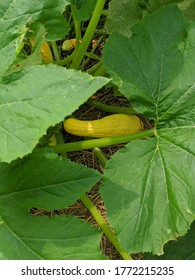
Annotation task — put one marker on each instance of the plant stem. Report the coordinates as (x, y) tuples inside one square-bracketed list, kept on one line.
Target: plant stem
[(77, 24), (102, 142), (112, 109), (94, 47), (101, 71), (105, 228), (93, 56), (105, 13), (60, 140), (94, 68), (88, 34), (100, 155), (55, 51), (65, 60), (97, 31), (97, 215)]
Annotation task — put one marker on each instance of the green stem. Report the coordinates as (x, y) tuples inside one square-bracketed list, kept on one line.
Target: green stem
[(112, 109), (94, 47), (97, 215), (94, 68), (101, 71), (60, 140), (102, 142), (77, 24), (100, 155), (93, 56), (88, 34), (105, 13), (55, 51), (105, 228), (97, 31)]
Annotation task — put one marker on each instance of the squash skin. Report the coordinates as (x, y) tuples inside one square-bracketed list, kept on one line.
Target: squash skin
[(113, 125)]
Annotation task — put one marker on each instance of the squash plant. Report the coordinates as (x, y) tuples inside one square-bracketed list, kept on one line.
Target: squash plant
[(148, 186)]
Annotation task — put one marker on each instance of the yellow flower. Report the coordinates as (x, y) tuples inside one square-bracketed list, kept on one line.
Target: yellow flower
[(45, 51), (69, 44)]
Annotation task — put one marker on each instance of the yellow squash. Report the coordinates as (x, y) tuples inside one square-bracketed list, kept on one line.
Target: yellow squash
[(113, 125)]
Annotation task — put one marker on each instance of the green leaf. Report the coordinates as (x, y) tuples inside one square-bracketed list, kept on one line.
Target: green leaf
[(16, 17), (152, 180), (44, 180), (187, 6), (35, 58), (84, 8), (11, 38), (36, 98), (49, 13), (156, 4), (152, 194), (180, 249), (122, 15), (155, 57)]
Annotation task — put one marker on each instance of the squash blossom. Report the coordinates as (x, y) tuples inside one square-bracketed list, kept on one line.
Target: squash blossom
[(45, 51), (69, 44)]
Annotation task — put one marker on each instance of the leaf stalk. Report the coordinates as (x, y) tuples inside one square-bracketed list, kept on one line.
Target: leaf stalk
[(88, 34), (102, 142), (103, 225)]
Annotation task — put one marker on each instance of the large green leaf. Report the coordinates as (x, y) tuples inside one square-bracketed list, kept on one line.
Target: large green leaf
[(152, 194), (181, 249), (36, 98), (16, 16), (44, 180), (152, 180), (122, 15), (145, 64)]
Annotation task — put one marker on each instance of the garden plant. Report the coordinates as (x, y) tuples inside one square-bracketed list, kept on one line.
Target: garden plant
[(57, 56)]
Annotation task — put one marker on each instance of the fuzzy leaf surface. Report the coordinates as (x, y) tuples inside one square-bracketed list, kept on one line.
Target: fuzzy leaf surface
[(36, 98), (152, 180), (43, 180), (122, 15), (156, 4)]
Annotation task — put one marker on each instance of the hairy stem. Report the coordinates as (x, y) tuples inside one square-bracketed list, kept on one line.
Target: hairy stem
[(55, 51), (103, 225), (102, 142), (101, 71), (88, 34), (100, 155), (93, 69), (77, 24), (97, 215)]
